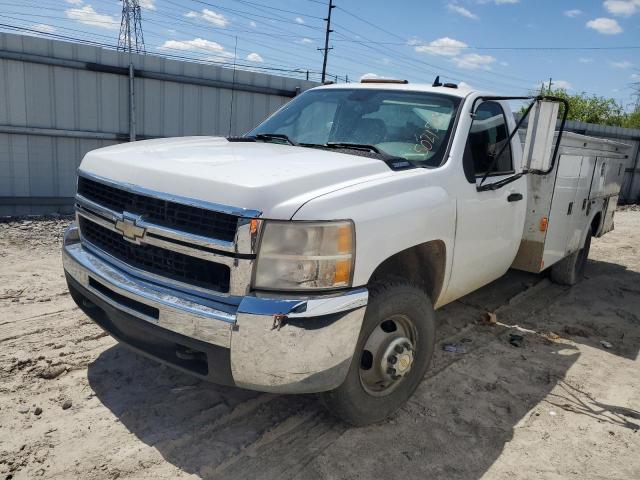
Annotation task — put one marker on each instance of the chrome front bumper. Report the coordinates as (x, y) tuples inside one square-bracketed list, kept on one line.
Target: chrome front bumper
[(282, 345)]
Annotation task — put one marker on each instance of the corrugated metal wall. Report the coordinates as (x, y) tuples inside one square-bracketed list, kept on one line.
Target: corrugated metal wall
[(59, 100)]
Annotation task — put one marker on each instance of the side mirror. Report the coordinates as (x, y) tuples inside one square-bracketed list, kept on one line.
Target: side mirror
[(540, 134)]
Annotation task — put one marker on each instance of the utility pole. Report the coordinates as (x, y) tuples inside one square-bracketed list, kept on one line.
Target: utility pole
[(550, 83), (326, 41), (128, 41)]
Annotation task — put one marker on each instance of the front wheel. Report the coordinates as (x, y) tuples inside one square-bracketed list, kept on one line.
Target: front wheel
[(394, 349)]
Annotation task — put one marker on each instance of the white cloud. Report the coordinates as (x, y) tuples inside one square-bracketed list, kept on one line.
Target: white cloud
[(605, 26), (255, 57), (502, 2), (215, 18), (299, 20), (504, 64), (474, 61), (585, 60), (195, 44), (563, 84), (623, 64), (622, 8), (215, 51), (305, 40), (74, 2), (446, 46), (147, 4), (370, 76), (89, 16), (465, 85), (460, 10), (43, 27), (252, 24), (573, 13), (635, 76)]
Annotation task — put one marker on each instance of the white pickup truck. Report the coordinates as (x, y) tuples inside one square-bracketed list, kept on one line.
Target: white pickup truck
[(309, 255)]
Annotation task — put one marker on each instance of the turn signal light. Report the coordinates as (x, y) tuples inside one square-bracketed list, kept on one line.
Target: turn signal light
[(544, 223)]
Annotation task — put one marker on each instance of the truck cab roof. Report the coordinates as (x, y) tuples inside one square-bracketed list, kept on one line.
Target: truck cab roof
[(460, 92)]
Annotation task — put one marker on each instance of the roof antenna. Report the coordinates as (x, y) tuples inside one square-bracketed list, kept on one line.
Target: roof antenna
[(436, 82)]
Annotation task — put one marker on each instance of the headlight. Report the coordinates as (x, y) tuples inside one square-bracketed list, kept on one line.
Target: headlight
[(305, 255)]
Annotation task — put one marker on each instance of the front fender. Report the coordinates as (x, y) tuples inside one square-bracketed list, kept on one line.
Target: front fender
[(390, 215)]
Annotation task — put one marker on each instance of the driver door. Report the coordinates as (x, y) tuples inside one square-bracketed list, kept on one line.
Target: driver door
[(489, 223)]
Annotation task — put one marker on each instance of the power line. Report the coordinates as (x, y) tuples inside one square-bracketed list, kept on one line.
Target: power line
[(172, 25), (226, 33), (254, 10), (56, 36), (472, 47), (438, 69), (269, 7), (242, 12)]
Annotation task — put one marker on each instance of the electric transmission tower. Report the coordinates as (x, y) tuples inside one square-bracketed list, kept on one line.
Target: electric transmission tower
[(131, 38)]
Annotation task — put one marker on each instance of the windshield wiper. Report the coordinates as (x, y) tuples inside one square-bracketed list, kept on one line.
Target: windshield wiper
[(277, 136), (355, 146), (396, 163)]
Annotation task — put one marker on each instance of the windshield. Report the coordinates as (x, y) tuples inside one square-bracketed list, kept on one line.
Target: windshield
[(413, 125)]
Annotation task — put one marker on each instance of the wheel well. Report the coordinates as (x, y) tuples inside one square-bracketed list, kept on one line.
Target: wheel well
[(422, 265), (595, 224)]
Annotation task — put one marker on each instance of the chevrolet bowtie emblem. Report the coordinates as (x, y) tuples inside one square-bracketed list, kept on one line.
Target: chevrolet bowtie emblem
[(129, 228)]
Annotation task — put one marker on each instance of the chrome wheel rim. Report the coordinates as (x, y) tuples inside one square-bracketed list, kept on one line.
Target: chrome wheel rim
[(388, 355)]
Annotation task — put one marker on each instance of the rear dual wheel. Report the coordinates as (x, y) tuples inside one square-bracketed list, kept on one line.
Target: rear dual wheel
[(571, 269), (392, 355)]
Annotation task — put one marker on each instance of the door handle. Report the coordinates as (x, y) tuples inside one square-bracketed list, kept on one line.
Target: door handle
[(514, 197)]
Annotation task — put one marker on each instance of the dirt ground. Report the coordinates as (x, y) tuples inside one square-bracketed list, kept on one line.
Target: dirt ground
[(75, 404)]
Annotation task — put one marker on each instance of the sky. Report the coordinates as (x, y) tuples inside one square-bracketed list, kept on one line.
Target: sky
[(506, 46)]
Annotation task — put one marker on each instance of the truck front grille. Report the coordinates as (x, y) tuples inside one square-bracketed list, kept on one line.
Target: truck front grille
[(159, 261), (186, 218)]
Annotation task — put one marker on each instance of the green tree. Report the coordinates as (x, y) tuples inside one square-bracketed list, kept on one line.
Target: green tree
[(632, 120), (592, 108)]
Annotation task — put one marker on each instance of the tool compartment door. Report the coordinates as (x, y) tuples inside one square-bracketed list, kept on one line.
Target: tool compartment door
[(563, 226), (607, 177), (580, 209)]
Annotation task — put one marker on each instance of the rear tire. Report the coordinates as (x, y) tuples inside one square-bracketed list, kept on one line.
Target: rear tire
[(571, 269), (394, 349)]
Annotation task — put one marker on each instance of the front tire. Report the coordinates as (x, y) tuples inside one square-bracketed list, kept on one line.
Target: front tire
[(394, 349)]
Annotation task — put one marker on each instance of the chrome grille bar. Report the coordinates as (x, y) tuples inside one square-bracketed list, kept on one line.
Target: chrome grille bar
[(237, 255)]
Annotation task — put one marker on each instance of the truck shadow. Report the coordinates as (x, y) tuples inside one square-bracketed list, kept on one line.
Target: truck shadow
[(456, 424)]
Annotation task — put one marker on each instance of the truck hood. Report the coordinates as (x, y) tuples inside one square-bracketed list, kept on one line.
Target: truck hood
[(273, 179)]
